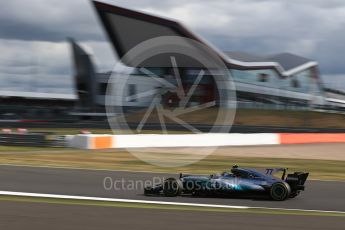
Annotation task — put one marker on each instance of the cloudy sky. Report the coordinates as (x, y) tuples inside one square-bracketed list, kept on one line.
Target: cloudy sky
[(36, 57)]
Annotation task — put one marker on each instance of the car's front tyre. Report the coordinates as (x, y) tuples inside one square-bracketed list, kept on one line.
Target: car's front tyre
[(280, 191)]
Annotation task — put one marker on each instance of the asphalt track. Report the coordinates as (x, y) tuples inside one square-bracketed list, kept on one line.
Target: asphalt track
[(32, 216), (319, 195)]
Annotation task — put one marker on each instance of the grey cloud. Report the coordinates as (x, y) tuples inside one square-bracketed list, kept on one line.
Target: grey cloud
[(51, 20), (35, 66), (311, 28)]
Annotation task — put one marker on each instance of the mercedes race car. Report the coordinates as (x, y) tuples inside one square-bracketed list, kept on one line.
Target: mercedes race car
[(244, 182)]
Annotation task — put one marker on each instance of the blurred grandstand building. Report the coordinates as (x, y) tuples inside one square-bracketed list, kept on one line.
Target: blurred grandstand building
[(35, 105), (277, 81)]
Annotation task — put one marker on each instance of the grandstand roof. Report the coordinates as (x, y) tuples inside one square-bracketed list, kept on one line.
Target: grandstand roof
[(287, 60), (127, 28)]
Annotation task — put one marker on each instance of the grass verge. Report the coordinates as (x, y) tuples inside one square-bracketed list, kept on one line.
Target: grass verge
[(122, 160)]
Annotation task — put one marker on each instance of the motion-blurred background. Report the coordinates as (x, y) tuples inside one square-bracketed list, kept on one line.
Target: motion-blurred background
[(56, 60)]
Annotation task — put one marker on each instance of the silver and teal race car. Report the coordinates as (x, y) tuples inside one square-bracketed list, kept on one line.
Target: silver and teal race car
[(244, 182)]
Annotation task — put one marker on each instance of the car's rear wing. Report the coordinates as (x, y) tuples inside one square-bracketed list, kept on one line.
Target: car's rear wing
[(271, 171), (296, 180)]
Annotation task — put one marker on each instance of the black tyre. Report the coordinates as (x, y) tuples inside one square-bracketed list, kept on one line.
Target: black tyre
[(172, 187), (280, 191)]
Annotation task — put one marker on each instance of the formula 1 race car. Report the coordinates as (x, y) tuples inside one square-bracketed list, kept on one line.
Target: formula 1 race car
[(244, 182)]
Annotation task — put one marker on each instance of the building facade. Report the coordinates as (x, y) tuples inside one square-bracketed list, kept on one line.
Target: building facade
[(276, 81)]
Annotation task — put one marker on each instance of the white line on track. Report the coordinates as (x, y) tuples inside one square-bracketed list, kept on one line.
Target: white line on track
[(118, 170), (87, 198)]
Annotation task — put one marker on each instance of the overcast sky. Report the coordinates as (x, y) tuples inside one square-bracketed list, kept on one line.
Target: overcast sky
[(36, 56)]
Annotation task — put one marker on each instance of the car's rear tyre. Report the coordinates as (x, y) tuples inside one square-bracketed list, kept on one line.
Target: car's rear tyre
[(172, 187), (280, 191)]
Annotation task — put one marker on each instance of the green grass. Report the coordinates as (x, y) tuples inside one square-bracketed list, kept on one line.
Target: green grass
[(73, 131), (259, 117), (69, 131), (288, 118), (122, 160), (166, 206), (6, 149)]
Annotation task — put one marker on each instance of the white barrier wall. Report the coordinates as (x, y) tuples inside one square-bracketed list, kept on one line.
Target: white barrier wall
[(90, 141), (194, 140)]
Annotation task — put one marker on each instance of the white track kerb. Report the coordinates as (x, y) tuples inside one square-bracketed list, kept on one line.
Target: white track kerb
[(101, 199)]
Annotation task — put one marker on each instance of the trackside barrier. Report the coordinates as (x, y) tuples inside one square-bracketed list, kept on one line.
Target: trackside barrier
[(194, 140), (305, 138), (95, 141), (25, 139), (90, 141)]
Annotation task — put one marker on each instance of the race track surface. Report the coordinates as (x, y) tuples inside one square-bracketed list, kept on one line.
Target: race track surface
[(32, 216), (319, 195)]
